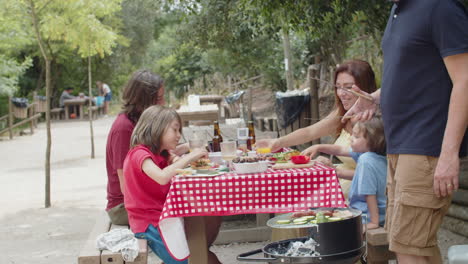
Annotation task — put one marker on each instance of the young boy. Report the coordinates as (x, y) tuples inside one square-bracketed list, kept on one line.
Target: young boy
[(369, 181)]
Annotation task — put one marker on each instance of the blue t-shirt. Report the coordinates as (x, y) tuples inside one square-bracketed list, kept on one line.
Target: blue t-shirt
[(416, 86), (370, 178)]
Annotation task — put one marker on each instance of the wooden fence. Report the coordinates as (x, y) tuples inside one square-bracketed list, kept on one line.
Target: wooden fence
[(27, 114)]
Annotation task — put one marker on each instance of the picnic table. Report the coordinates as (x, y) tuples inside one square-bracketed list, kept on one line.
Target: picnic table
[(77, 103), (273, 191), (207, 112)]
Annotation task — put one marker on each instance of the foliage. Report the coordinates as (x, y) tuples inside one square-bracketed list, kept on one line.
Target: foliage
[(79, 23), (10, 70)]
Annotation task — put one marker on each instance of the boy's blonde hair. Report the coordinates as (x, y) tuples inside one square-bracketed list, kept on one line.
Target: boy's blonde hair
[(150, 128), (373, 131)]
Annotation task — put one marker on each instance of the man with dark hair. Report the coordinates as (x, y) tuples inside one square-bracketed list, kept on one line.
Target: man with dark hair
[(66, 94), (423, 101)]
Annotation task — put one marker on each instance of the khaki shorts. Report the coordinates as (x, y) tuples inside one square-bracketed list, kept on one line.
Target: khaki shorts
[(414, 213), (118, 215)]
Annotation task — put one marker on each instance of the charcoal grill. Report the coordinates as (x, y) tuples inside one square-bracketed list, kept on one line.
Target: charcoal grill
[(339, 242)]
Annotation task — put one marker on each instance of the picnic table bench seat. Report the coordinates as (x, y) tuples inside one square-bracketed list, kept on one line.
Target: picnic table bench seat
[(56, 113), (89, 254), (377, 247)]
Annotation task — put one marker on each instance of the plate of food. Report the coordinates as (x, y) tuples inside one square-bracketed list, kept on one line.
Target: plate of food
[(284, 157), (188, 172), (200, 168)]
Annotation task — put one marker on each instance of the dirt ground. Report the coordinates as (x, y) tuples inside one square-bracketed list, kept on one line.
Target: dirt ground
[(32, 234)]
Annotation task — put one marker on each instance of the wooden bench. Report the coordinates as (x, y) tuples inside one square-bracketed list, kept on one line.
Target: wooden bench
[(56, 113), (377, 247), (95, 111), (89, 254)]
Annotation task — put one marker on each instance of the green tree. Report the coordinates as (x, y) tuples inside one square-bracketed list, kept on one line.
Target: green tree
[(75, 24)]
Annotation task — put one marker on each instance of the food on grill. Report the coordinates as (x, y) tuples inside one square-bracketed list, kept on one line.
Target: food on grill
[(304, 213), (342, 214), (316, 217), (201, 164)]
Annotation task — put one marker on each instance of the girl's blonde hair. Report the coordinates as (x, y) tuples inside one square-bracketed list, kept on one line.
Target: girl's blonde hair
[(152, 125), (373, 131)]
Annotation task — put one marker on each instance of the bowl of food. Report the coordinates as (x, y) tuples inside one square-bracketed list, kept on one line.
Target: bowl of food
[(300, 159), (249, 165)]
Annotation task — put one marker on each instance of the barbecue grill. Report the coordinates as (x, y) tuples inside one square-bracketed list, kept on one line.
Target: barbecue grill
[(339, 242)]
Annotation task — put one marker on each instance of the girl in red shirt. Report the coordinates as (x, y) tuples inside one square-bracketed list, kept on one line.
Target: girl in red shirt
[(148, 170)]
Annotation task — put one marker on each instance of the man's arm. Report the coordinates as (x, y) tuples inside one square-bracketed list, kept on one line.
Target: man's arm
[(448, 166)]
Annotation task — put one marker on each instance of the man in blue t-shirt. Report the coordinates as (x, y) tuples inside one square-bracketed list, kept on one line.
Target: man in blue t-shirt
[(423, 102)]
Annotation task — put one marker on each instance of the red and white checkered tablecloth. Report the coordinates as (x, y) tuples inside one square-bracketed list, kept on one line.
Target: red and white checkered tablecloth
[(273, 191)]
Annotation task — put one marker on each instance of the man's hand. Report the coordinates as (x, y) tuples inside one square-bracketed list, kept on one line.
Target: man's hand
[(363, 109), (270, 143), (446, 174)]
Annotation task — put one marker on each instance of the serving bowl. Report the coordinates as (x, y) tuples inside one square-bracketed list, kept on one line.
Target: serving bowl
[(300, 159)]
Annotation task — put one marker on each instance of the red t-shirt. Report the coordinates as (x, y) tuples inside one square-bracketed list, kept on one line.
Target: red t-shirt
[(118, 144), (144, 197)]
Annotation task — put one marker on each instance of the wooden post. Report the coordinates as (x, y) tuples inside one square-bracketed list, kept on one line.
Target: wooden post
[(249, 110), (314, 98), (288, 59), (10, 117), (30, 115)]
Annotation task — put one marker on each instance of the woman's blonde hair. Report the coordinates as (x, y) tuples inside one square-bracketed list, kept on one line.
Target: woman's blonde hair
[(152, 125), (373, 131)]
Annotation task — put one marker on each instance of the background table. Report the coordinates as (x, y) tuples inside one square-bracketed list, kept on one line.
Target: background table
[(77, 103), (203, 112), (274, 191)]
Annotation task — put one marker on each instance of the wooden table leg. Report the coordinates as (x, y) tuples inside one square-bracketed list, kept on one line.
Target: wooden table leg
[(81, 111), (67, 114), (196, 238)]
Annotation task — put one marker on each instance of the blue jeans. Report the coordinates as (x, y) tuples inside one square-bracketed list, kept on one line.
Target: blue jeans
[(157, 245)]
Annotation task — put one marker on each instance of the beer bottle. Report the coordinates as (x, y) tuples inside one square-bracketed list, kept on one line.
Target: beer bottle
[(251, 139), (217, 138)]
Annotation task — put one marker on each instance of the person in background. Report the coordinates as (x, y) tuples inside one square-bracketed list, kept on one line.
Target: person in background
[(423, 102), (148, 169), (367, 192), (67, 95), (105, 91), (346, 74)]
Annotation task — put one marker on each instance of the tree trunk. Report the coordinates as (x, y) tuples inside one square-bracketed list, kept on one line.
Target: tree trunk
[(90, 115), (314, 97), (49, 137), (35, 21), (288, 60)]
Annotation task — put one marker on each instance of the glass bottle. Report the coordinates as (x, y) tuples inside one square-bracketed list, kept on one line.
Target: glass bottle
[(251, 140), (217, 138)]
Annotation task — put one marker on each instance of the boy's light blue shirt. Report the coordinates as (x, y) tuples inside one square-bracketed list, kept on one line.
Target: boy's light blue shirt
[(370, 178)]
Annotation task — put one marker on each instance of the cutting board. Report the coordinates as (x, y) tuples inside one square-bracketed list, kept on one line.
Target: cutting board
[(290, 165)]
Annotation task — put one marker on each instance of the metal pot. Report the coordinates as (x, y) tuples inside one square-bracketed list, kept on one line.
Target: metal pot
[(332, 237), (275, 253)]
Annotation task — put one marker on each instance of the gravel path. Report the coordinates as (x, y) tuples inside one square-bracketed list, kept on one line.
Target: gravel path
[(32, 234)]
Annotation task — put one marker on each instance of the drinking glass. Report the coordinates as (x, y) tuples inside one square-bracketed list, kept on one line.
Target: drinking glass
[(228, 151)]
